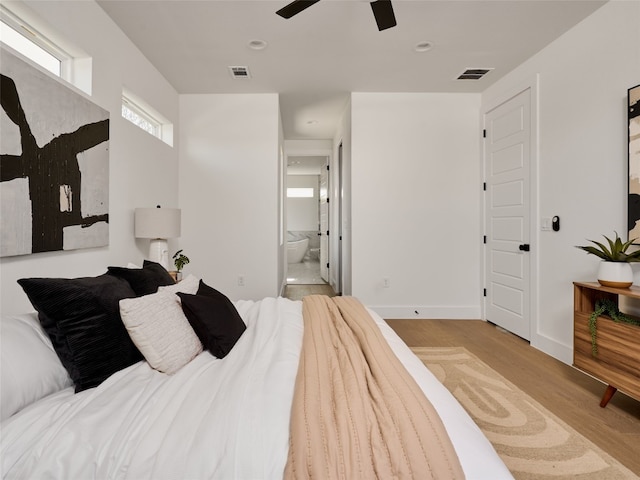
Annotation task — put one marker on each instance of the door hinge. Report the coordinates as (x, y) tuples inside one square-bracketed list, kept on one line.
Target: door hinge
[(484, 239), (484, 293), (328, 199), (327, 233), (484, 186), (327, 264), (484, 133), (327, 168)]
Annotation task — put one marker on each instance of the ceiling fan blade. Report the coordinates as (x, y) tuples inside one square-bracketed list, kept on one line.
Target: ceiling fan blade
[(295, 7), (383, 11)]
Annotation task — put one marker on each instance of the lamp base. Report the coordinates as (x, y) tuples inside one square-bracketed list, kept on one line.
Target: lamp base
[(159, 252)]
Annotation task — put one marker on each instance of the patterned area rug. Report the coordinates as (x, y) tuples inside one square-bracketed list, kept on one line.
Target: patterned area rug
[(532, 441)]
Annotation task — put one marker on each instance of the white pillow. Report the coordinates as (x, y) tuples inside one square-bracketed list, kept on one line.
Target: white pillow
[(159, 328), (29, 367), (189, 285)]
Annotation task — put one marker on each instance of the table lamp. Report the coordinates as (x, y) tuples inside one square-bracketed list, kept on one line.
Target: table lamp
[(158, 224)]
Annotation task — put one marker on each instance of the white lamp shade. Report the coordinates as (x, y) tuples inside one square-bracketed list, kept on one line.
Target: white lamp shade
[(157, 222)]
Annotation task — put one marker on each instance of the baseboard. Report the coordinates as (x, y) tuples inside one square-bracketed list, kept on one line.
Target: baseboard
[(553, 348), (427, 312)]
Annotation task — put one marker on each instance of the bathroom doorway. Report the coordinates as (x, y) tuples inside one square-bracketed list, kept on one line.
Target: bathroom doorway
[(303, 197)]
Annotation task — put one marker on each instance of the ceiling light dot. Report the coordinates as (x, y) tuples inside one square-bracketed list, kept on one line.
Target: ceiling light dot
[(257, 44), (423, 47)]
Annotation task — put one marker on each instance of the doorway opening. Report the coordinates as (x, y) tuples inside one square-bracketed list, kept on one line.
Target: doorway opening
[(306, 214)]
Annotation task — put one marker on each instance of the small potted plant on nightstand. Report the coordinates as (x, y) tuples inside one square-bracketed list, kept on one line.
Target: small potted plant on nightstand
[(614, 270), (179, 260)]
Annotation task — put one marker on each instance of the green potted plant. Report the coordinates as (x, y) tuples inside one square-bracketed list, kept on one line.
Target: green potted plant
[(179, 260), (614, 270), (606, 306)]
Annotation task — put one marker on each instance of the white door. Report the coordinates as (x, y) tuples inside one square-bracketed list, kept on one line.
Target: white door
[(507, 206), (337, 262), (324, 222)]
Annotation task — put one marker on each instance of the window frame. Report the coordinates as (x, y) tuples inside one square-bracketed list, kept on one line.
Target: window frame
[(40, 42), (162, 128), (155, 125)]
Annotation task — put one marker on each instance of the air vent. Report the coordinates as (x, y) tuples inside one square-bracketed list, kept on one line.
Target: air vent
[(240, 72), (474, 73)]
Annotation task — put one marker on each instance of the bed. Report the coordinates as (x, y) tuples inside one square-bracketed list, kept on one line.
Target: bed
[(171, 415)]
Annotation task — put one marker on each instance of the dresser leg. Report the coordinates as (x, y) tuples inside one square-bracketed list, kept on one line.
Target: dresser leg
[(608, 393)]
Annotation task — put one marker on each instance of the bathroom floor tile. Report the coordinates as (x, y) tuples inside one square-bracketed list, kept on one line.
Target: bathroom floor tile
[(304, 273)]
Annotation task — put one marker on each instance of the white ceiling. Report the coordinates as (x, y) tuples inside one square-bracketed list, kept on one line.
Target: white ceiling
[(316, 58)]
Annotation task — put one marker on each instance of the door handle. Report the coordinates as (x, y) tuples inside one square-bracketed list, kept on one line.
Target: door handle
[(525, 247)]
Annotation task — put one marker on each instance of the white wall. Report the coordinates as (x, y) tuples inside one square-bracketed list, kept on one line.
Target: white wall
[(143, 169), (415, 186), (582, 165), (229, 170), (302, 213)]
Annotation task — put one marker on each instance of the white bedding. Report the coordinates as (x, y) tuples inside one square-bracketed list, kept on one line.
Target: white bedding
[(223, 419)]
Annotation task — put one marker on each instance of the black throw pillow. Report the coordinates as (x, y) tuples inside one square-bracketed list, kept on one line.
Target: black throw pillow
[(214, 318), (144, 280), (82, 318)]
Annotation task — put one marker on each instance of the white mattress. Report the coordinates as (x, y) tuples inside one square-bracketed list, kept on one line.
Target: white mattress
[(224, 419)]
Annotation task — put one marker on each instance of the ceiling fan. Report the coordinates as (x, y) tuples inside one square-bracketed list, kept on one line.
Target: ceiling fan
[(382, 11)]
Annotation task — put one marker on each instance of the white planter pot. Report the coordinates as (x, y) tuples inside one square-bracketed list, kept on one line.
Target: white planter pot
[(615, 274)]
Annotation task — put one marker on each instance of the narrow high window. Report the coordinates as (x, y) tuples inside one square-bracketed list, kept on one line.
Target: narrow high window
[(145, 117), (25, 39), (299, 192), (139, 117), (43, 46)]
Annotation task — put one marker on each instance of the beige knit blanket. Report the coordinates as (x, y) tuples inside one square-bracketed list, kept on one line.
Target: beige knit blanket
[(357, 413)]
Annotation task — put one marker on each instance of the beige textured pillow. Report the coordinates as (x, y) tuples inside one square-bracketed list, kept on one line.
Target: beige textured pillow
[(189, 285), (160, 330)]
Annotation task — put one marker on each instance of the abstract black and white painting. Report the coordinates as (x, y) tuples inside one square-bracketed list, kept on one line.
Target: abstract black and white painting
[(633, 206), (54, 164)]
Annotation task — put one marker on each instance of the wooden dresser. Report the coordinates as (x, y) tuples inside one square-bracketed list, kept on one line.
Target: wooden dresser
[(618, 360)]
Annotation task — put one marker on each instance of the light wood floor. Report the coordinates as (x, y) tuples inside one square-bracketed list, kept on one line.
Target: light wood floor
[(296, 292), (568, 393)]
